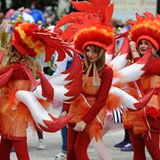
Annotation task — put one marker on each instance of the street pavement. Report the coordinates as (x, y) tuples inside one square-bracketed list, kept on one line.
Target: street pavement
[(53, 145)]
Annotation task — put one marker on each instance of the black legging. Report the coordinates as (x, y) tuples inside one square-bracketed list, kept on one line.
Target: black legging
[(126, 136)]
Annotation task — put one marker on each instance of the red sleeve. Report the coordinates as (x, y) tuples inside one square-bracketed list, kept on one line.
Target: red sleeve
[(136, 59), (106, 76)]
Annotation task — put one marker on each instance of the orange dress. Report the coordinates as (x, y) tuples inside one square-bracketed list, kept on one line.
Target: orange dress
[(84, 103)]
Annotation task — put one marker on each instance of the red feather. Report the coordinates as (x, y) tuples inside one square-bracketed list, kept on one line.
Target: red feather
[(53, 43), (95, 6)]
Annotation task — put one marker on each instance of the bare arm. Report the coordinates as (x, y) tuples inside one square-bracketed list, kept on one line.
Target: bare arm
[(133, 49)]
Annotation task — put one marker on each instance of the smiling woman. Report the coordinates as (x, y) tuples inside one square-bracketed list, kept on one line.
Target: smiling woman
[(144, 125), (143, 46)]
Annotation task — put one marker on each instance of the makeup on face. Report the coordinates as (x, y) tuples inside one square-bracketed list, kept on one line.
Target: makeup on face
[(143, 46), (91, 56)]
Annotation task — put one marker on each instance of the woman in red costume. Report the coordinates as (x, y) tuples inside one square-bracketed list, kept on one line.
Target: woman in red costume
[(14, 115), (144, 125), (90, 107)]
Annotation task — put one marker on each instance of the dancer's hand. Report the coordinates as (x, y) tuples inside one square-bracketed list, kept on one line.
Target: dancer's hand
[(80, 126), (132, 45)]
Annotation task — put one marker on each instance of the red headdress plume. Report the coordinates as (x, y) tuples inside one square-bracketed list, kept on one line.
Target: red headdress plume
[(25, 41), (89, 12), (103, 7), (99, 35), (146, 27), (76, 22)]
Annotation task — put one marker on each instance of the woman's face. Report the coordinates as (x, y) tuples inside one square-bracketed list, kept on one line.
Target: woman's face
[(90, 55), (143, 46)]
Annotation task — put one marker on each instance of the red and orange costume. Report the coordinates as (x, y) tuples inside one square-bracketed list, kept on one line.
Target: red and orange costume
[(91, 105), (15, 115), (144, 125)]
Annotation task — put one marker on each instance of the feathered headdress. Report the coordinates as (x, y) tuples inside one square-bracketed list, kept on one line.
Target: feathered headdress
[(99, 35), (146, 27), (25, 41), (89, 12)]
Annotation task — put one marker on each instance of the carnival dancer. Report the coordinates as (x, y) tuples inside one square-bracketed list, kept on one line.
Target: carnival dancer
[(19, 105), (14, 116), (144, 125), (89, 108)]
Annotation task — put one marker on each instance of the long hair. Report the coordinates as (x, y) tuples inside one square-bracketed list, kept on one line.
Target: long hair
[(101, 59), (13, 56), (154, 55)]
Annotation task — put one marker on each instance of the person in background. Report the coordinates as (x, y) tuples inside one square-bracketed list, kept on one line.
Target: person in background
[(60, 67), (41, 143), (144, 125), (126, 144)]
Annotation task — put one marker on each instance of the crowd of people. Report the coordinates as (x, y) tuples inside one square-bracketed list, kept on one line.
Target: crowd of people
[(49, 15), (91, 113)]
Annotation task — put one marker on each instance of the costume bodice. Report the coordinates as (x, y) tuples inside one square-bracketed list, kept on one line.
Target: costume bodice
[(14, 116), (149, 82), (89, 89)]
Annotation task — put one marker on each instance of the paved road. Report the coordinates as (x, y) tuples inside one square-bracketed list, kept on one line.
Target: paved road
[(53, 145)]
